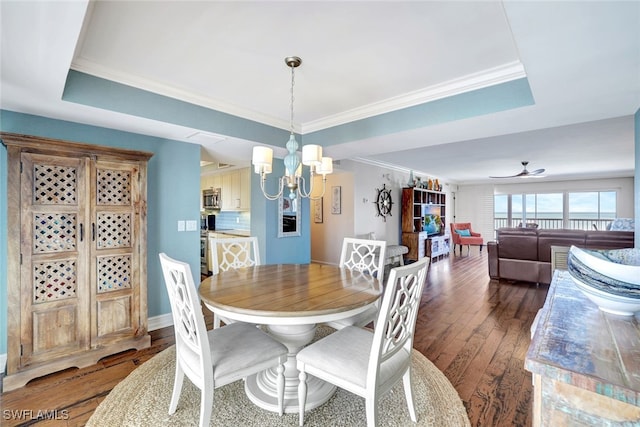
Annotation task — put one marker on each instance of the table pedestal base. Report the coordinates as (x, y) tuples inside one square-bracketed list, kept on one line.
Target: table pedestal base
[(262, 389)]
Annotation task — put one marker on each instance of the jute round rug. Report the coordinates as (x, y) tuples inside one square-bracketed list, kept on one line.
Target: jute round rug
[(142, 399)]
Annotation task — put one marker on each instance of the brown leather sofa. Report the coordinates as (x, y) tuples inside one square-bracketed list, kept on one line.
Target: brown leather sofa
[(524, 254)]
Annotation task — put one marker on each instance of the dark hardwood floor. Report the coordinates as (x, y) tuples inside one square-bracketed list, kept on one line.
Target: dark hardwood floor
[(474, 330)]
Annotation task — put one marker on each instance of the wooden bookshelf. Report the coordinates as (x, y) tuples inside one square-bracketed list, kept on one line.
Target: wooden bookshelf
[(416, 203)]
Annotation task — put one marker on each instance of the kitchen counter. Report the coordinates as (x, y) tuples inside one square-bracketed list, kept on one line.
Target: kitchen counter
[(231, 233), (585, 363)]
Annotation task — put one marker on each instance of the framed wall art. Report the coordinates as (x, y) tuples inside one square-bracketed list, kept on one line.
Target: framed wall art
[(336, 204), (317, 212)]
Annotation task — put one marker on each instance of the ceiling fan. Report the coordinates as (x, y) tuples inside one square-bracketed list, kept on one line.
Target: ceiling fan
[(525, 173)]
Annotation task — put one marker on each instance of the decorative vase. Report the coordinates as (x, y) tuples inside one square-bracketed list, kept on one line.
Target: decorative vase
[(411, 183)]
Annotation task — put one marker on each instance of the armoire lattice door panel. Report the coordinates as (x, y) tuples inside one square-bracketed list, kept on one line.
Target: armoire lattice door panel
[(76, 254), (116, 260), (54, 220)]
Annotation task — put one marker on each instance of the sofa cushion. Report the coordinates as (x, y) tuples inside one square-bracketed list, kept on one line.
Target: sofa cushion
[(562, 237), (609, 239), (465, 233), (518, 243), (517, 269)]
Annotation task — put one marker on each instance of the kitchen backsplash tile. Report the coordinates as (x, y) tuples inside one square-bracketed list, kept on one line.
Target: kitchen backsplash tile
[(233, 221)]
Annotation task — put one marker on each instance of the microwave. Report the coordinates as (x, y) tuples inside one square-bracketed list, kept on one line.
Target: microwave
[(211, 198)]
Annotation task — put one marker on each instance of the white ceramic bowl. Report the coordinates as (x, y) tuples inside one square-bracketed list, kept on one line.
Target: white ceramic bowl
[(609, 278), (607, 302), (618, 264)]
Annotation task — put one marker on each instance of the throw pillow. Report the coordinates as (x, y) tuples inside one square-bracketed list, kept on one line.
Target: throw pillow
[(622, 224), (464, 233)]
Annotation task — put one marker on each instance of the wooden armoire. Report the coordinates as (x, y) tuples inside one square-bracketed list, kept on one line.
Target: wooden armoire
[(76, 270)]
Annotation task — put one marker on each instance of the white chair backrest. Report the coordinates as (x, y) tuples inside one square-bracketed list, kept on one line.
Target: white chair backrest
[(232, 253), (364, 255), (396, 321), (192, 342)]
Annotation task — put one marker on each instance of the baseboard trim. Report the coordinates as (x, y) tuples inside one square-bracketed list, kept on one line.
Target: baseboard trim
[(155, 322), (161, 321)]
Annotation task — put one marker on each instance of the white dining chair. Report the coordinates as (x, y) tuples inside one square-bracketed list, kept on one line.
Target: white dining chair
[(232, 253), (214, 358), (367, 256), (370, 363)]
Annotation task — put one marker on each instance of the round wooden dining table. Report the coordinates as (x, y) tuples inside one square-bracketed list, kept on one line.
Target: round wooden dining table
[(289, 300)]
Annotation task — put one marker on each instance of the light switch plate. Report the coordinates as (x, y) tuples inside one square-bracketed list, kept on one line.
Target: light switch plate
[(180, 225), (192, 225)]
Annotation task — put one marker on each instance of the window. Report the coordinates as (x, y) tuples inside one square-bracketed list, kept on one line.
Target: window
[(585, 210), (548, 210), (592, 209), (517, 209), (501, 210)]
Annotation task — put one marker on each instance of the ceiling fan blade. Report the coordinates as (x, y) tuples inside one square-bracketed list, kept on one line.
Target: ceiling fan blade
[(524, 174), (509, 176)]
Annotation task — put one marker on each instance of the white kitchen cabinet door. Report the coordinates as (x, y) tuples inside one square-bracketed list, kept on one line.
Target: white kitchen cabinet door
[(245, 189)]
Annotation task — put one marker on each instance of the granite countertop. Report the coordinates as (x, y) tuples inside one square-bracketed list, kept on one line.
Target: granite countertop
[(576, 343)]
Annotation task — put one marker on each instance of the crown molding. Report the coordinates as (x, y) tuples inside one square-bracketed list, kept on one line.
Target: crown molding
[(491, 77), (89, 67), (395, 168), (470, 82), (389, 166)]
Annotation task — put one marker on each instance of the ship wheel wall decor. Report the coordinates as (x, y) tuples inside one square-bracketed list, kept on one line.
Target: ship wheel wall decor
[(383, 202)]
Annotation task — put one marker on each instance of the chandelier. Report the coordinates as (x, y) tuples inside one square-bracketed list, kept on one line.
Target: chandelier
[(311, 156)]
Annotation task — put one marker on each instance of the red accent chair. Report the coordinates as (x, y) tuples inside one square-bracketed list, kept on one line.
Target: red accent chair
[(462, 234)]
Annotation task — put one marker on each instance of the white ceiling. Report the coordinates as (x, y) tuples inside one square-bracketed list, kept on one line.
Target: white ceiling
[(360, 59)]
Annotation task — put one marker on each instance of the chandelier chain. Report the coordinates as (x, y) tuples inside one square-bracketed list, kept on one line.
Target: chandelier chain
[(293, 161), (292, 97)]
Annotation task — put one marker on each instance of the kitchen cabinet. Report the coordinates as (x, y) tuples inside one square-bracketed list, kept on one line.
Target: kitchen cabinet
[(245, 189), (77, 291), (235, 186), (228, 192)]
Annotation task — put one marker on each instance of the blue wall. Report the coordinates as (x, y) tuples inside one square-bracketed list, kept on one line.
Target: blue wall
[(636, 178), (500, 97), (173, 194), (264, 224)]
